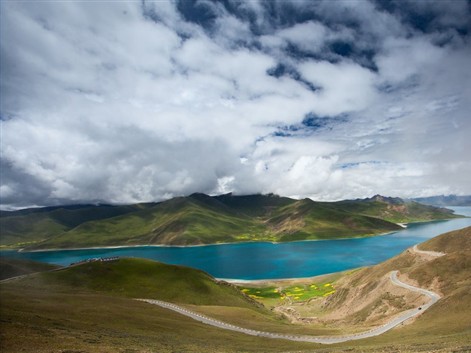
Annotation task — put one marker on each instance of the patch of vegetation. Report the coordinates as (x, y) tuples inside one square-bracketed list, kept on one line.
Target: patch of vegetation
[(262, 293), (296, 293)]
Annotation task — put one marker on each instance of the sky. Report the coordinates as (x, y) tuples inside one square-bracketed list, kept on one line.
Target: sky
[(137, 101)]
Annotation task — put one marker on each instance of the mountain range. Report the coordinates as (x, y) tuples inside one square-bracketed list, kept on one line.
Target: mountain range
[(202, 219), (442, 200)]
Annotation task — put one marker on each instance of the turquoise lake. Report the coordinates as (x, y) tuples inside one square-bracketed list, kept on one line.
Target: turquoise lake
[(262, 260)]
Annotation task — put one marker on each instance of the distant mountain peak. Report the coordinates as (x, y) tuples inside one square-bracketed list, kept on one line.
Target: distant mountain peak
[(199, 195), (379, 197), (385, 199)]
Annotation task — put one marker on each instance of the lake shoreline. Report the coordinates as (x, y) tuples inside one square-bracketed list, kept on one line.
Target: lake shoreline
[(285, 281), (23, 250)]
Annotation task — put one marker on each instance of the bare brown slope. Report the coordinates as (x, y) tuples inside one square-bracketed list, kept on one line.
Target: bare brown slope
[(456, 241), (366, 297)]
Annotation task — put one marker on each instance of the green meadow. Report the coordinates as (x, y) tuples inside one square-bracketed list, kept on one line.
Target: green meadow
[(296, 293)]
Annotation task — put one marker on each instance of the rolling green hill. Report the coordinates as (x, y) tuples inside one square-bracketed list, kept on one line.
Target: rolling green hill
[(141, 278), (17, 267), (202, 219), (91, 308)]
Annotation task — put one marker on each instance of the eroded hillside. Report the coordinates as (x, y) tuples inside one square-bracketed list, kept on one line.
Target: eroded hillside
[(367, 298)]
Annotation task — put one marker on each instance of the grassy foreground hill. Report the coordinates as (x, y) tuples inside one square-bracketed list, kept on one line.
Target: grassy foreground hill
[(202, 219), (89, 308), (135, 278), (18, 267)]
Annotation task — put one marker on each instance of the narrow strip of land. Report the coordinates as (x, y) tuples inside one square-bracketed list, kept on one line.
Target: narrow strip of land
[(314, 339)]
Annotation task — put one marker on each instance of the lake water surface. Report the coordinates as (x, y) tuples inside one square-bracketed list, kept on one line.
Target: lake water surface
[(262, 260)]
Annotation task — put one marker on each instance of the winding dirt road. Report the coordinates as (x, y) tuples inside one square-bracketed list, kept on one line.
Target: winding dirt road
[(425, 252), (314, 339)]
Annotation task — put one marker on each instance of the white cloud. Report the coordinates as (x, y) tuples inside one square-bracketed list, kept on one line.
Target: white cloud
[(292, 167), (344, 87), (231, 32), (309, 36), (402, 58), (120, 102)]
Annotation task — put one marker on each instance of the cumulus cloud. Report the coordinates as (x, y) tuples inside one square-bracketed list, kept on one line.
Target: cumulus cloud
[(128, 102), (308, 36), (345, 87), (403, 58)]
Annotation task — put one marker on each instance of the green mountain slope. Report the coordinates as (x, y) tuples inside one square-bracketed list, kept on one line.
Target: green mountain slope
[(255, 205), (306, 219), (180, 221), (33, 225), (202, 219)]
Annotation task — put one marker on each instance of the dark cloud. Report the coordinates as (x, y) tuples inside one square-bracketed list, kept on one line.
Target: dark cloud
[(20, 189)]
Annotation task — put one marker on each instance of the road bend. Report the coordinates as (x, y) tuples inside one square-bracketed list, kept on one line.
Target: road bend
[(425, 252), (434, 297)]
